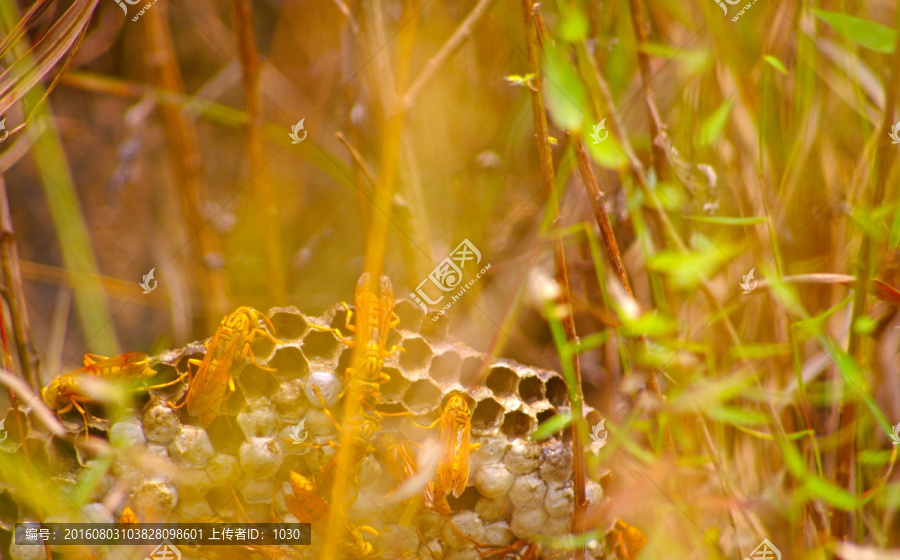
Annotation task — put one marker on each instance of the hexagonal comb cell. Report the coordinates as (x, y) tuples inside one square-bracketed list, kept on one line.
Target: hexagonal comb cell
[(345, 360), (395, 387), (435, 330), (531, 389), (486, 416), (290, 362), (422, 396), (320, 344), (256, 382), (545, 415), (339, 320), (262, 348), (445, 367), (470, 370), (288, 321), (502, 381), (517, 424), (410, 315), (417, 352), (557, 393)]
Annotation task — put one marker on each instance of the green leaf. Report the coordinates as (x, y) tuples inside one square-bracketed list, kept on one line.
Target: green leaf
[(563, 91), (871, 35), (694, 60), (735, 416), (895, 231), (729, 220), (608, 153), (865, 325), (573, 25), (775, 63), (714, 125), (688, 269), (748, 351), (552, 426), (648, 324)]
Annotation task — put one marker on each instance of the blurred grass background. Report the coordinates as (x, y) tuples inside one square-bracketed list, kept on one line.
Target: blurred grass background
[(764, 145)]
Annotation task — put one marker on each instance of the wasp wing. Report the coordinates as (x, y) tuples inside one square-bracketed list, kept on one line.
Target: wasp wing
[(211, 384)]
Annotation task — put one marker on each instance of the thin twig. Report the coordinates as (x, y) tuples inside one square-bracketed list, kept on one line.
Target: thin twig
[(453, 44), (256, 147), (12, 278), (656, 125), (30, 397), (559, 259), (357, 157), (7, 364), (596, 196)]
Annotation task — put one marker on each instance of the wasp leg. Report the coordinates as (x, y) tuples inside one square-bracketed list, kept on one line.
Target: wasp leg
[(265, 333), (367, 529), (74, 403), (336, 332), (325, 409), (428, 427), (247, 350), (167, 384), (316, 446)]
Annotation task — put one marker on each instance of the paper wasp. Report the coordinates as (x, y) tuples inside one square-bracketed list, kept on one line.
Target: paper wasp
[(374, 320), (66, 391), (308, 507), (212, 382), (395, 455), (455, 429)]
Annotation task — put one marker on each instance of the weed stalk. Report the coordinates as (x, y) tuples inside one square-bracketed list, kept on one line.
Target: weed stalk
[(579, 429)]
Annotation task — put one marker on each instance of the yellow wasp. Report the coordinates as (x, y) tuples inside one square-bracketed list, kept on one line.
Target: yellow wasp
[(395, 454), (375, 318), (308, 507), (212, 382), (66, 391), (128, 519), (455, 428)]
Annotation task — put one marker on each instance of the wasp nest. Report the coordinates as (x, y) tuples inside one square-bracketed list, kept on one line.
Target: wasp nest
[(239, 465)]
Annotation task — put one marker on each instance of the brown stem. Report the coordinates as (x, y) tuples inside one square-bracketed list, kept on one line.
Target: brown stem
[(186, 162), (12, 278), (559, 260), (615, 258), (256, 147), (596, 196), (656, 126)]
